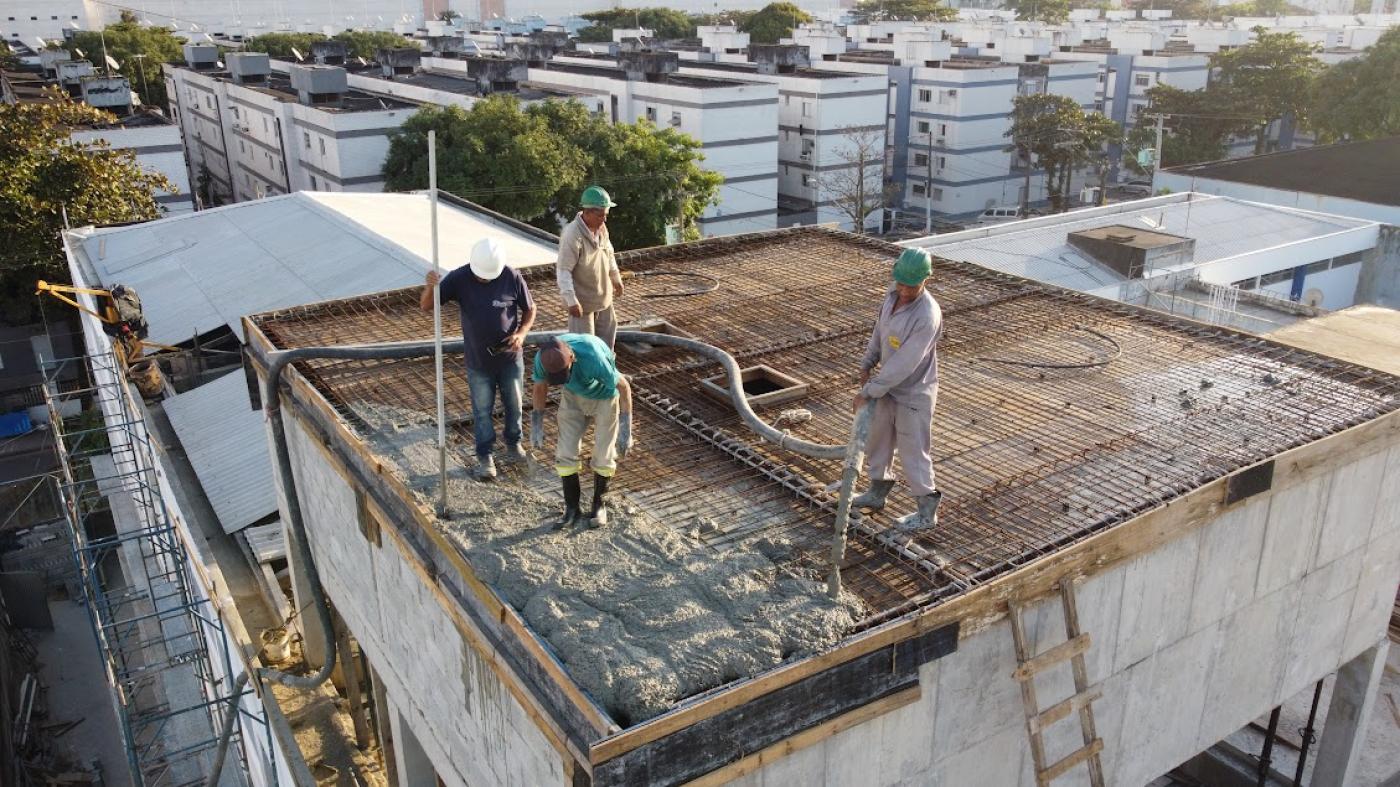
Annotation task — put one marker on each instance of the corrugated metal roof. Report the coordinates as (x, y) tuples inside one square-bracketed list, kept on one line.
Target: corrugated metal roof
[(226, 443), (198, 271), (1221, 227)]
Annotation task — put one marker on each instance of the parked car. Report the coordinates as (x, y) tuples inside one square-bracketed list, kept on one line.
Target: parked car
[(1000, 213)]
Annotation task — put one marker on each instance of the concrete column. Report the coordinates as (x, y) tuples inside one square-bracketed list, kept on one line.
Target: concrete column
[(414, 767), (1344, 734), (1379, 280), (384, 714)]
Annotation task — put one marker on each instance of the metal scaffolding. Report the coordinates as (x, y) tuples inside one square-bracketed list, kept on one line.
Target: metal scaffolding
[(163, 645)]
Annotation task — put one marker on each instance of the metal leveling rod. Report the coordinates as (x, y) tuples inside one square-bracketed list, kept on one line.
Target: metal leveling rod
[(437, 326)]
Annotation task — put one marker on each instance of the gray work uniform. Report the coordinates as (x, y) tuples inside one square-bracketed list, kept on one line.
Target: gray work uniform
[(587, 272), (905, 345)]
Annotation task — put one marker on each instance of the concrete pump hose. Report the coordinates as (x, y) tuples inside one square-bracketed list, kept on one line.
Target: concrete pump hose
[(272, 404)]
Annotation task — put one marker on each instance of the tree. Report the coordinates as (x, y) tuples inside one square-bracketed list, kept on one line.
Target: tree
[(858, 189), (280, 45), (449, 16), (1201, 122), (1360, 98), (774, 22), (1051, 11), (905, 10), (1268, 79), (533, 163), (737, 18), (42, 173), (124, 41), (665, 23), (367, 43), (1061, 136)]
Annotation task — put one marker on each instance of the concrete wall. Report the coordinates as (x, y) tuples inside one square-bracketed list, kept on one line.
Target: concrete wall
[(1389, 214), (1191, 642), (466, 721)]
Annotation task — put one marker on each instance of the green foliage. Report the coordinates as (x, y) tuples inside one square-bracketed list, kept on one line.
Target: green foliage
[(449, 16), (1061, 136), (906, 10), (774, 22), (125, 40), (533, 163), (1203, 122), (367, 43), (8, 60), (42, 172), (1052, 11), (666, 23), (1267, 79), (737, 18), (280, 45), (1360, 98)]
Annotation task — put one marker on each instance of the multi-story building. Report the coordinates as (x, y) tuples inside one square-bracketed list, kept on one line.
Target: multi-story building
[(250, 132), (735, 121), (831, 129)]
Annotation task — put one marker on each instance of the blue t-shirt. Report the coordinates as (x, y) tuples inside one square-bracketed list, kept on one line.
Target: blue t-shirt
[(491, 311), (594, 373)]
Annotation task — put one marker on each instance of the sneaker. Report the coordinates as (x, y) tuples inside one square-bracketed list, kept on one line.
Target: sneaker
[(514, 454), (485, 468)]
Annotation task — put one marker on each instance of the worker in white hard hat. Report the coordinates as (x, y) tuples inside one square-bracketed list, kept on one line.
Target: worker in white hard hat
[(900, 372), (587, 268), (497, 312)]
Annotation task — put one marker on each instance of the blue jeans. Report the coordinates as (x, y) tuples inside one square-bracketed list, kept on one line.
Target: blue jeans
[(484, 385)]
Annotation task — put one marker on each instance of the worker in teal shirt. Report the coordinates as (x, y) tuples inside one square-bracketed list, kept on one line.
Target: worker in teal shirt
[(592, 389)]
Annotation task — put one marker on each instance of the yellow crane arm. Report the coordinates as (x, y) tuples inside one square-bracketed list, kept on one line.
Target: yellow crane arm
[(61, 291)]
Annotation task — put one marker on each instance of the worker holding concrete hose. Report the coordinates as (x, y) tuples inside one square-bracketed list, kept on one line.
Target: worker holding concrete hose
[(587, 268), (593, 389), (904, 347), (497, 312)]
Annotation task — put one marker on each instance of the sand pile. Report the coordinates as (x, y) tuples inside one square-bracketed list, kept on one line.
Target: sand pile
[(640, 614)]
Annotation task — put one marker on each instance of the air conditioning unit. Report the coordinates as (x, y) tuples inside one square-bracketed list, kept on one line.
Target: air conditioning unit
[(940, 141), (953, 93), (675, 121), (806, 155)]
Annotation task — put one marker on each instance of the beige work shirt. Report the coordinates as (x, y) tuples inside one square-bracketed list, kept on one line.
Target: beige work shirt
[(586, 268)]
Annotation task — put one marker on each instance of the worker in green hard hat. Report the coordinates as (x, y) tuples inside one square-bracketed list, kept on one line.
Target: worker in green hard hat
[(587, 268), (904, 349)]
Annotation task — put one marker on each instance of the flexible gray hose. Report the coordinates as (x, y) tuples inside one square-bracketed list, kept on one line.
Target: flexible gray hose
[(272, 405)]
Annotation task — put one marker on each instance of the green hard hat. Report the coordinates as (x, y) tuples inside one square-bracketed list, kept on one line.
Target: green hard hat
[(595, 197), (912, 267)]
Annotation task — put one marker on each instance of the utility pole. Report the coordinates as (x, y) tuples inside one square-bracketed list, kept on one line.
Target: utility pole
[(1157, 151), (140, 59)]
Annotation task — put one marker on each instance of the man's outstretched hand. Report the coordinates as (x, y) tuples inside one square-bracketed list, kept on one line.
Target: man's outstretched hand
[(537, 428)]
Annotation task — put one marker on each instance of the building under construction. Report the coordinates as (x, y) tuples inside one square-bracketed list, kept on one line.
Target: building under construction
[(1153, 532)]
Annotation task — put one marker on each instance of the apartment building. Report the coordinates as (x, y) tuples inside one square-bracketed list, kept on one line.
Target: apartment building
[(250, 132), (735, 121), (831, 129)]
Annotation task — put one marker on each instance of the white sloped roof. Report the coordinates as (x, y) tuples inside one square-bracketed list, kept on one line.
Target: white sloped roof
[(226, 443), (196, 272)]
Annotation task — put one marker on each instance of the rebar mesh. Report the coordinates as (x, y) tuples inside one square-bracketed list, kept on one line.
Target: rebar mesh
[(1030, 459)]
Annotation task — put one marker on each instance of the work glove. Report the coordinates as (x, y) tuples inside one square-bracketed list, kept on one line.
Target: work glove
[(624, 434), (537, 428)]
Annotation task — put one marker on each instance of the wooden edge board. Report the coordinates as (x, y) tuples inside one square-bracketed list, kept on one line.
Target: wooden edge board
[(1072, 759), (424, 517), (1062, 710), (1062, 652), (984, 605), (807, 738)]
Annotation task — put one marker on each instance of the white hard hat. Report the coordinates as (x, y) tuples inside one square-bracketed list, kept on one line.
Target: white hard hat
[(488, 259)]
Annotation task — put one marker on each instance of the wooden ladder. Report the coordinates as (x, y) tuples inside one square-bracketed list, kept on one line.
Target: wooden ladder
[(1037, 720)]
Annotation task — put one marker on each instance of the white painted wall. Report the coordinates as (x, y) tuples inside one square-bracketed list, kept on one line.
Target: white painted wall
[(157, 150), (1191, 642), (1321, 203)]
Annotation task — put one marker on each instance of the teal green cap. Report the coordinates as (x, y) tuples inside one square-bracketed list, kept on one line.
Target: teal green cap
[(596, 197), (912, 267)]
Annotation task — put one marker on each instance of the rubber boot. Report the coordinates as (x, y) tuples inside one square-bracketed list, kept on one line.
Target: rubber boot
[(572, 494), (926, 515), (599, 517), (874, 497)]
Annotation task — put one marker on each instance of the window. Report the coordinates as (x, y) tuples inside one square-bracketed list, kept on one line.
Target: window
[(937, 193), (808, 145), (923, 126), (1102, 77), (322, 140), (925, 95), (241, 148), (209, 102), (806, 181), (53, 18), (675, 118), (265, 123), (306, 139), (1142, 80), (1277, 277), (314, 185), (806, 109), (1245, 284), (787, 101), (1319, 266), (942, 129), (920, 190), (942, 162), (234, 111), (921, 159), (651, 114)]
